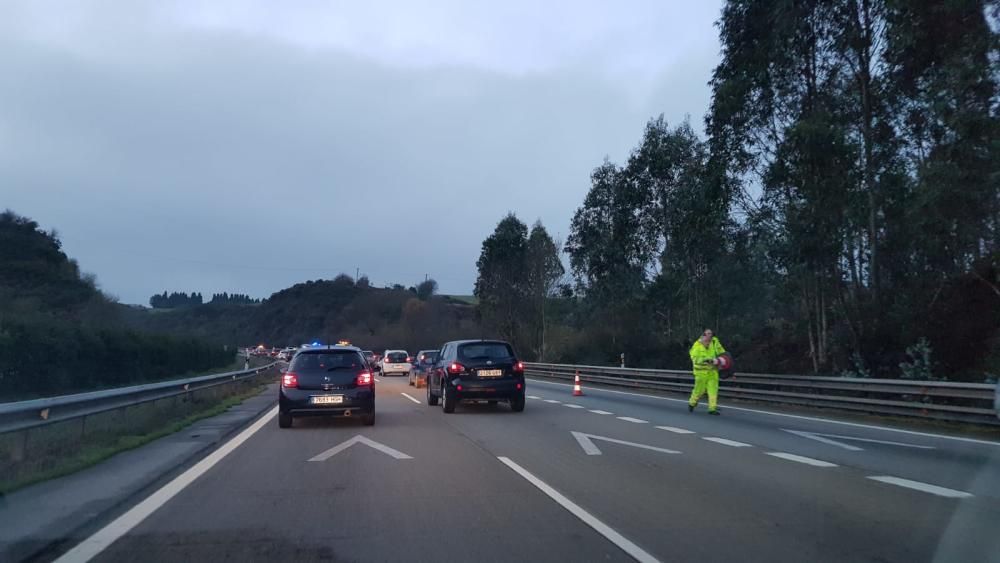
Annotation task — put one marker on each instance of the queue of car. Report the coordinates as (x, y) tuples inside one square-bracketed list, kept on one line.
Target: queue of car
[(339, 380)]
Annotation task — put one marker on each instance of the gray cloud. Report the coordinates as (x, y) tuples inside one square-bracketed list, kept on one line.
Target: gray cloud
[(212, 159)]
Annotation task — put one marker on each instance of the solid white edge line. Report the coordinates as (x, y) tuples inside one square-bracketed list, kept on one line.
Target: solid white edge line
[(610, 534), (410, 398), (726, 442), (635, 420), (676, 430), (802, 459), (95, 544), (796, 416), (918, 486)]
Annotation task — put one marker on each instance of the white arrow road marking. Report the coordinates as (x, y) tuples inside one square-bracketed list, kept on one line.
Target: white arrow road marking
[(586, 442), (359, 439), (410, 398), (825, 438)]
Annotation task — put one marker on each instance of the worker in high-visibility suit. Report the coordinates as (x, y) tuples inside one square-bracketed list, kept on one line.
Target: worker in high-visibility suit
[(704, 358)]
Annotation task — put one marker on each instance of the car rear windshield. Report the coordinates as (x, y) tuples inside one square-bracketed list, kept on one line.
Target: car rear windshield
[(430, 357), (396, 357), (330, 361), (485, 351)]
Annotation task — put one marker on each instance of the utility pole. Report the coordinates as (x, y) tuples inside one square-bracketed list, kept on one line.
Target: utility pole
[(357, 274)]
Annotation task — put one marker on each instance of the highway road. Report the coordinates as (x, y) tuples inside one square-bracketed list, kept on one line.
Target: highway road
[(610, 476)]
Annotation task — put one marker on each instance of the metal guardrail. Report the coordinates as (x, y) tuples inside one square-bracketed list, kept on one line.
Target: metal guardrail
[(23, 415), (941, 400)]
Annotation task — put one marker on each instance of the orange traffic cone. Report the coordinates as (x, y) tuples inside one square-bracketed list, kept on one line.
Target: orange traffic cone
[(577, 392)]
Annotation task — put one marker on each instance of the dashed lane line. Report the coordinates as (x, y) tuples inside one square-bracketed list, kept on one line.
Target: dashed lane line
[(726, 442), (573, 406), (802, 459), (635, 420), (918, 486), (411, 398), (597, 411), (676, 430)]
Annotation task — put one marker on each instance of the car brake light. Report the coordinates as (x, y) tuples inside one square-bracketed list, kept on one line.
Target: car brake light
[(290, 380), (364, 378), (519, 367), (518, 386), (459, 387), (409, 359), (456, 367)]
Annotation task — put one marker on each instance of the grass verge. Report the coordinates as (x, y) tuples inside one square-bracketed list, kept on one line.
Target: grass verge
[(89, 456)]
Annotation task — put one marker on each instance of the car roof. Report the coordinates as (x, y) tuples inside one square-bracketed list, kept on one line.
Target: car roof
[(388, 351), (316, 349), (479, 341), (429, 350)]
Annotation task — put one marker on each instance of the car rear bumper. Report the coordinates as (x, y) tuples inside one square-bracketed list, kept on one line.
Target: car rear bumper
[(488, 390), (299, 402)]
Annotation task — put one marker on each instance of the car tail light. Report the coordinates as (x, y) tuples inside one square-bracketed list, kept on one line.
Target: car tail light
[(458, 387), (290, 381), (364, 378), (518, 386), (519, 367), (455, 367), (409, 359)]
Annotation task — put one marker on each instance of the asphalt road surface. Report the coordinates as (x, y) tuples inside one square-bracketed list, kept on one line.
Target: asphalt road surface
[(611, 476)]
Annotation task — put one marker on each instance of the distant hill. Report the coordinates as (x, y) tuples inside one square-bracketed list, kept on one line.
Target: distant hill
[(325, 311)]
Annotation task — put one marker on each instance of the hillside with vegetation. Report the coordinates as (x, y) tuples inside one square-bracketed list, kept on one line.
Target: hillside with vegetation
[(326, 311), (59, 334)]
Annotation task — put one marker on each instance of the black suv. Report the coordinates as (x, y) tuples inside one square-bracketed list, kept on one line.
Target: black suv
[(330, 381), (482, 370)]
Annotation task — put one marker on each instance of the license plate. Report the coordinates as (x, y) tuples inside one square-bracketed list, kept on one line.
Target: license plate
[(328, 400), (490, 372)]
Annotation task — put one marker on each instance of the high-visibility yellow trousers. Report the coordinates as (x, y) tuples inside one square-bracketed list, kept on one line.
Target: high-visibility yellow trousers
[(706, 381)]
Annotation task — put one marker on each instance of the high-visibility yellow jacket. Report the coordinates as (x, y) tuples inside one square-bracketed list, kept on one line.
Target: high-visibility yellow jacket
[(699, 353)]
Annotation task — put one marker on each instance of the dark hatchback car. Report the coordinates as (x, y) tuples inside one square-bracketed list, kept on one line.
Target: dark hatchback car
[(482, 370), (327, 381)]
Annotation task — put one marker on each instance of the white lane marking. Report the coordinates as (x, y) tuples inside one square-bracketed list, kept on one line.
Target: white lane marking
[(630, 419), (359, 439), (596, 411), (676, 430), (553, 401), (377, 380), (610, 534), (820, 438), (917, 485), (95, 544), (573, 406), (796, 416), (726, 442), (534, 397), (411, 398), (586, 442), (802, 459)]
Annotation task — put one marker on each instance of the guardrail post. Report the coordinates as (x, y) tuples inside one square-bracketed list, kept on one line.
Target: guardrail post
[(623, 359)]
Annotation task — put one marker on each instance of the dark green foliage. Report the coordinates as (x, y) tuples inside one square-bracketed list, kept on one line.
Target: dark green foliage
[(518, 273), (842, 216), (59, 334), (175, 300)]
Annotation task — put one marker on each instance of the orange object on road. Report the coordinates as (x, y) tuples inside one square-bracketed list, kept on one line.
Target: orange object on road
[(577, 391)]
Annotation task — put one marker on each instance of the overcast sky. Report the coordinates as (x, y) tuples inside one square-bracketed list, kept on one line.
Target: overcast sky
[(245, 146)]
